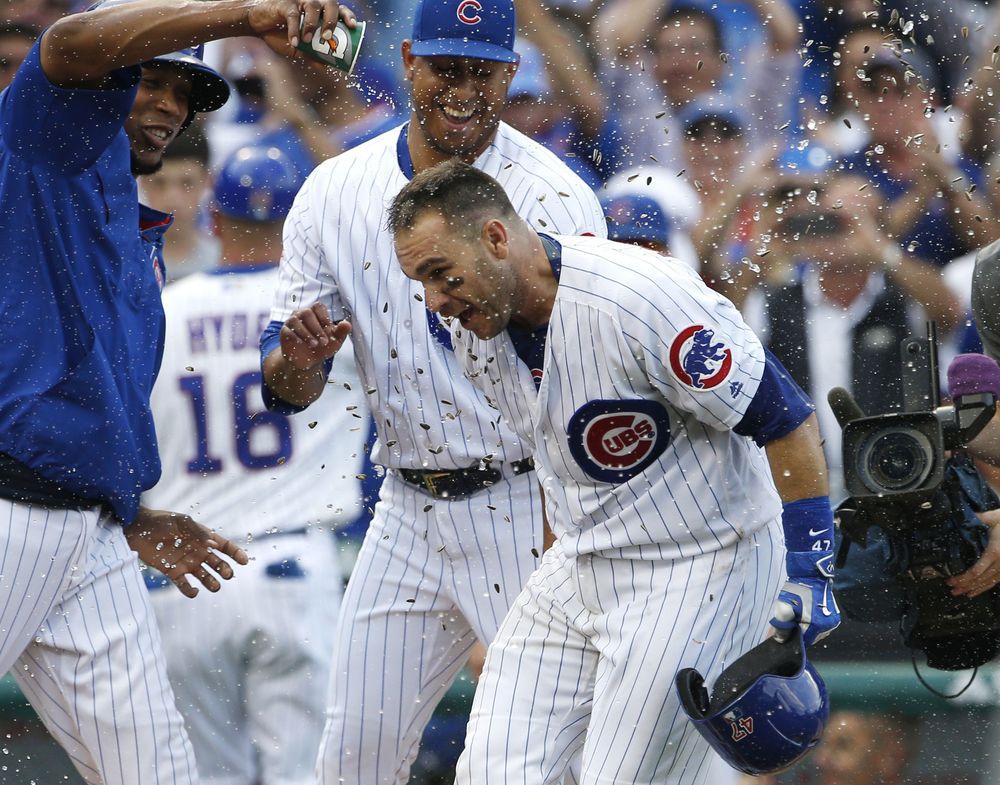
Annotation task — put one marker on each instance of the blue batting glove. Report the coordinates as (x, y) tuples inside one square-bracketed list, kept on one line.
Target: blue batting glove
[(809, 603)]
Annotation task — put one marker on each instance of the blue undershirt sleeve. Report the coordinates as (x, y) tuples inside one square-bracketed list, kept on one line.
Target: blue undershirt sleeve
[(778, 407), (270, 340)]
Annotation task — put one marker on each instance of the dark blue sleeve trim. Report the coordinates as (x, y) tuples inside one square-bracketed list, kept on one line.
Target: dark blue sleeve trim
[(778, 407), (270, 340)]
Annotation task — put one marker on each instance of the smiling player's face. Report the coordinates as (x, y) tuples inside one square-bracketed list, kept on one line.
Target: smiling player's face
[(159, 111), (457, 101), (461, 278)]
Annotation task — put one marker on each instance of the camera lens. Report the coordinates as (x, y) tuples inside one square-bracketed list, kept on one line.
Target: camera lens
[(895, 460)]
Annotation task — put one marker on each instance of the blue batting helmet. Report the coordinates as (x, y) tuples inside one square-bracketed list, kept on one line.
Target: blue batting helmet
[(767, 709), (257, 184), (209, 89)]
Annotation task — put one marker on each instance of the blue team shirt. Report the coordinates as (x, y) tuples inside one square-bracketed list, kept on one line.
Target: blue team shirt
[(80, 274)]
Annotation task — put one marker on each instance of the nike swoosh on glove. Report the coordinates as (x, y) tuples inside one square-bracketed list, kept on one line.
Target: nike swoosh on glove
[(808, 602)]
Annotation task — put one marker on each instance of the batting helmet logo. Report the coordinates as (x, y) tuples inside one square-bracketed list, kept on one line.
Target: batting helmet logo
[(613, 441), (468, 12), (698, 361)]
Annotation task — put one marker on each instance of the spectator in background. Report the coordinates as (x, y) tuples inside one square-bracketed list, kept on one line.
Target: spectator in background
[(560, 101), (309, 113), (933, 192), (16, 40), (180, 187), (539, 110), (652, 207), (865, 748), (659, 56), (637, 220), (849, 296)]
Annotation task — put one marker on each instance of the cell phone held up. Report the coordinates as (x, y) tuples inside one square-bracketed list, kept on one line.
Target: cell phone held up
[(340, 50)]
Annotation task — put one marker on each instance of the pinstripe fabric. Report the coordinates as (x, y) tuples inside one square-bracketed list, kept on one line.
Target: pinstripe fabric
[(250, 664), (411, 611), (426, 584), (91, 666), (617, 310), (337, 250), (587, 656)]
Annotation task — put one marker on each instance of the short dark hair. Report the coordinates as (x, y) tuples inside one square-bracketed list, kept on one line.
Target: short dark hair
[(458, 192)]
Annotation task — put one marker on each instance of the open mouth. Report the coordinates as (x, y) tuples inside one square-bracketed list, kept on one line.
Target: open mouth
[(157, 137), (466, 315), (458, 118)]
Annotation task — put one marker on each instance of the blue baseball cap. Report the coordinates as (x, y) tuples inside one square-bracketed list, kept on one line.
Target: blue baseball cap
[(479, 29), (717, 108), (635, 218)]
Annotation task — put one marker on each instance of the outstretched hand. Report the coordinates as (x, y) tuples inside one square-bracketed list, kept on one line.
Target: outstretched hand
[(309, 337), (179, 546)]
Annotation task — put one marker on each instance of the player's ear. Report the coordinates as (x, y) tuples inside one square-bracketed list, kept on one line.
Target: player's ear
[(408, 59), (496, 237)]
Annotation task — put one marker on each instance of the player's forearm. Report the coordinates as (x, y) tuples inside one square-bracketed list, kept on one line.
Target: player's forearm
[(299, 387), (798, 464), (82, 48)]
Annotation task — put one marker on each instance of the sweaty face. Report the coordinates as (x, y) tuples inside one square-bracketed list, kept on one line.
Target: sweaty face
[(457, 101), (159, 111), (461, 278)]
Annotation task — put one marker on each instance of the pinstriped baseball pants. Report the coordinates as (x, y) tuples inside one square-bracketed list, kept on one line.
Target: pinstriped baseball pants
[(586, 659), (432, 577), (79, 637)]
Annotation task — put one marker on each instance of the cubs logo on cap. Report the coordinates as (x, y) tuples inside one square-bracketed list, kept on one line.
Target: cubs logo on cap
[(468, 12), (477, 29), (699, 361), (613, 441)]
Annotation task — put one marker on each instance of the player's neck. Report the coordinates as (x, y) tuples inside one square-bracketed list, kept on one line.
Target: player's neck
[(423, 155), (536, 286)]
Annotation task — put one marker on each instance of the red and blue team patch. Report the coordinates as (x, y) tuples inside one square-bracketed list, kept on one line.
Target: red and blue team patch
[(613, 441), (698, 361)]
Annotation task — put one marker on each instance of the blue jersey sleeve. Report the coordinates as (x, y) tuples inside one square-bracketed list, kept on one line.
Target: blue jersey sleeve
[(270, 340), (778, 407), (64, 128)]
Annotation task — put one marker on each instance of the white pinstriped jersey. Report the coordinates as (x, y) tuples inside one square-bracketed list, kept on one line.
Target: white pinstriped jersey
[(226, 461), (646, 371), (338, 251)]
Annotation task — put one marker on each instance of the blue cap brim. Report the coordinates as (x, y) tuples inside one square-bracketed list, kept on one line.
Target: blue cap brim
[(463, 47)]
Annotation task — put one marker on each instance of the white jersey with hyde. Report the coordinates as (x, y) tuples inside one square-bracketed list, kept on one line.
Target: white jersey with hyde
[(646, 372), (227, 461), (338, 251)]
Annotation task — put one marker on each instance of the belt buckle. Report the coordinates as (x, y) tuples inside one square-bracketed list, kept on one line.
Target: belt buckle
[(429, 479)]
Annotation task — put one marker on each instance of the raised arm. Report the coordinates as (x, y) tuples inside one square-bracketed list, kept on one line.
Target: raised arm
[(566, 63), (80, 50)]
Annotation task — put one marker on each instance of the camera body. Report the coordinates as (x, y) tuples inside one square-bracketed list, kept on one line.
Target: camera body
[(902, 480), (902, 454)]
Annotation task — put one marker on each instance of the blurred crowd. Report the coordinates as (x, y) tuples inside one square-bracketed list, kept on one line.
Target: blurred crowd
[(832, 167)]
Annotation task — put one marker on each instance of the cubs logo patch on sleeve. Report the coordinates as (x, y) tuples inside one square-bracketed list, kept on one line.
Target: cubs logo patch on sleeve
[(613, 441), (698, 360)]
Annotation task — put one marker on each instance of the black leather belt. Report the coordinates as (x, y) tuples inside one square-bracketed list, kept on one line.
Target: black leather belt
[(461, 483)]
